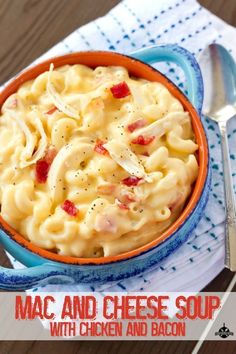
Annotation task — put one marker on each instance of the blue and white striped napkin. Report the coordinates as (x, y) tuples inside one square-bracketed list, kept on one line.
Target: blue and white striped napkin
[(138, 23)]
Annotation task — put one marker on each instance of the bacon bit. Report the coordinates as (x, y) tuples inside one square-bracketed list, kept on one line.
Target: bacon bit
[(52, 110), (13, 103), (173, 205), (131, 181), (143, 140), (120, 90), (70, 208), (136, 125), (176, 202), (99, 148), (145, 153), (126, 197), (10, 103), (106, 189), (43, 165), (41, 171), (120, 205), (50, 155)]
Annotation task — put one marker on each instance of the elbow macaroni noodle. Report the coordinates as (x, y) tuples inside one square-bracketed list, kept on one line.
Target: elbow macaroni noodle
[(69, 109)]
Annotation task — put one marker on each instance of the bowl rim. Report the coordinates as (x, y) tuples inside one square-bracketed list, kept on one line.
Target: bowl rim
[(141, 70)]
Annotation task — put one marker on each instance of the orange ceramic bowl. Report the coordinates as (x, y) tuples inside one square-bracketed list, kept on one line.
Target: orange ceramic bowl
[(118, 267)]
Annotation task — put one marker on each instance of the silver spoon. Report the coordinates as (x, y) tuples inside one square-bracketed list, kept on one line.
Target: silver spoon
[(219, 77)]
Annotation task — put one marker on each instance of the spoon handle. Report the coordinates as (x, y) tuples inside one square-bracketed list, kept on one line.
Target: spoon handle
[(230, 223)]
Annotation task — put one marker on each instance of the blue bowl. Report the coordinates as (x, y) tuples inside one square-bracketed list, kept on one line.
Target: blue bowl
[(41, 270)]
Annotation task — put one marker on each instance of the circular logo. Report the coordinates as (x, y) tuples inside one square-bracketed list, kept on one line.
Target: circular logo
[(224, 332)]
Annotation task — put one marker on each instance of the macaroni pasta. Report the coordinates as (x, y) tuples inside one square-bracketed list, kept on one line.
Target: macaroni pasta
[(94, 162)]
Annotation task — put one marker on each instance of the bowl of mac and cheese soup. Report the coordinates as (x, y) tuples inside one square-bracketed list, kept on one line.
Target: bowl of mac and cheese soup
[(103, 166)]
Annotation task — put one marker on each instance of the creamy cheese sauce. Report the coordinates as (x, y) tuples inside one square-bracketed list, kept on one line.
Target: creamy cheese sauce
[(94, 162)]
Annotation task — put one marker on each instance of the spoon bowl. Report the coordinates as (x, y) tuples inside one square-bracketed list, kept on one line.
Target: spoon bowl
[(219, 78)]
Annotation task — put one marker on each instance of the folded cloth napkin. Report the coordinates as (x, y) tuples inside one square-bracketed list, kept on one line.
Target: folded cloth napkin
[(138, 23)]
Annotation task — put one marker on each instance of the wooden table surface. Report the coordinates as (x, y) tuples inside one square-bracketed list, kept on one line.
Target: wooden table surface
[(28, 28)]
